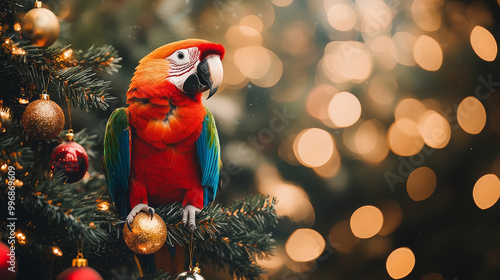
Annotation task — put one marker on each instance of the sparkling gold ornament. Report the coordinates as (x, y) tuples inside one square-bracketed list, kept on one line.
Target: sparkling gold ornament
[(147, 235), (43, 119), (41, 26)]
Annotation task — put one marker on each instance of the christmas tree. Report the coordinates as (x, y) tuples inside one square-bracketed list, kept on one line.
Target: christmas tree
[(53, 208)]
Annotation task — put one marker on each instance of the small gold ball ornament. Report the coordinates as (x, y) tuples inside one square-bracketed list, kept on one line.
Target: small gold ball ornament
[(147, 235), (43, 119), (41, 26)]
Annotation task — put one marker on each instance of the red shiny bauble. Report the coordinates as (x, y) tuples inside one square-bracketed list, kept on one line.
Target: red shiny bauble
[(72, 159), (79, 273), (8, 263)]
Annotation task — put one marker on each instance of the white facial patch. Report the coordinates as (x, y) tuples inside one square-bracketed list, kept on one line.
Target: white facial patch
[(182, 63)]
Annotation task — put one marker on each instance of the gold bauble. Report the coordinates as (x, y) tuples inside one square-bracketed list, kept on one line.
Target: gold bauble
[(43, 119), (41, 26), (147, 235)]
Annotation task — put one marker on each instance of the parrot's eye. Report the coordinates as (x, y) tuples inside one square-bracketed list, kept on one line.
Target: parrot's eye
[(180, 55)]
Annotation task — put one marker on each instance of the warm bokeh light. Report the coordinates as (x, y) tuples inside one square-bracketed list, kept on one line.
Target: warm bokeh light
[(409, 108), (421, 183), (404, 138), (383, 88), (293, 200), (375, 16), (318, 99), (486, 191), (342, 16), (313, 147), (282, 3), (471, 115), (305, 245), (366, 221), (427, 53), (262, 66), (297, 38), (393, 215), (243, 36), (365, 139), (483, 43), (344, 109), (401, 48), (426, 14), (435, 130), (331, 168), (253, 22), (432, 276), (341, 237), (347, 61), (400, 263)]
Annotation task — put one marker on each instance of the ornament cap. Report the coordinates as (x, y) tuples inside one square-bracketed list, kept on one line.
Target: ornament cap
[(70, 135), (80, 261), (197, 269), (44, 96), (38, 4)]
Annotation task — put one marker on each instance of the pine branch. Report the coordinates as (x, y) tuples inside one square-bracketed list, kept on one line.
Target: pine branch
[(228, 237), (9, 6), (27, 69), (103, 58), (13, 153)]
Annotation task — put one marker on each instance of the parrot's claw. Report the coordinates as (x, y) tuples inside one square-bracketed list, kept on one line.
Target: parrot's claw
[(138, 208), (152, 212), (189, 216)]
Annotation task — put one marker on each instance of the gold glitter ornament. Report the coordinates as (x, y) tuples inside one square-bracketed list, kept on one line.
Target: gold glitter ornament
[(43, 119), (41, 26), (147, 235)]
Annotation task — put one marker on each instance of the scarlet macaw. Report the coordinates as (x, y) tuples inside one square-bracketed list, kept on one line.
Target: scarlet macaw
[(164, 147)]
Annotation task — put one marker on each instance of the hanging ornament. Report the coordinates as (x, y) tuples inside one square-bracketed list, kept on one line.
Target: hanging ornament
[(43, 119), (79, 271), (70, 158), (8, 263), (40, 25), (192, 274), (147, 235)]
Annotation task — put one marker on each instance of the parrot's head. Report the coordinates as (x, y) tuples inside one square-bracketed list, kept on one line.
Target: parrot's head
[(188, 67)]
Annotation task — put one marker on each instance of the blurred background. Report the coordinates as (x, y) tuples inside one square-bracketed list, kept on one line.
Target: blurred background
[(375, 123)]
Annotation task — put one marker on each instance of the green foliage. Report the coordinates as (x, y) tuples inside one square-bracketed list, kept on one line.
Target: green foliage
[(228, 237)]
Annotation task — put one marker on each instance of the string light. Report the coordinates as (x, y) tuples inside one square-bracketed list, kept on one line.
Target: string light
[(104, 206), (23, 101), (18, 183), (17, 26), (67, 54), (18, 51), (21, 238), (57, 251), (4, 167)]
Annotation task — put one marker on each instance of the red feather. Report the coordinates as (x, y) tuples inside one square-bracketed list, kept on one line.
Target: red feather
[(165, 125)]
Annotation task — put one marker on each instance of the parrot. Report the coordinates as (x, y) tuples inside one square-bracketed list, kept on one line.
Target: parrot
[(164, 147)]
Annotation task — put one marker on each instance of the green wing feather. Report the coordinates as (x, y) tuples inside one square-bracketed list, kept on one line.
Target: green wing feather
[(117, 158)]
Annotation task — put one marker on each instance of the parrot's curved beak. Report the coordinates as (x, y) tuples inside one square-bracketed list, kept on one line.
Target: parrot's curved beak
[(208, 76)]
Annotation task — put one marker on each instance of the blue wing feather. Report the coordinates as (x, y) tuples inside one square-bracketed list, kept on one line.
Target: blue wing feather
[(208, 149), (116, 159)]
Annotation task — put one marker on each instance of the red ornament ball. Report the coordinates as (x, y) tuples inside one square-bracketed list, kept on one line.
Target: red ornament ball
[(8, 264), (70, 158), (79, 273)]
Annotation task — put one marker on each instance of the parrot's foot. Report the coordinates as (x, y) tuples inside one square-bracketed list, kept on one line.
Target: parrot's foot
[(189, 216), (138, 208)]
